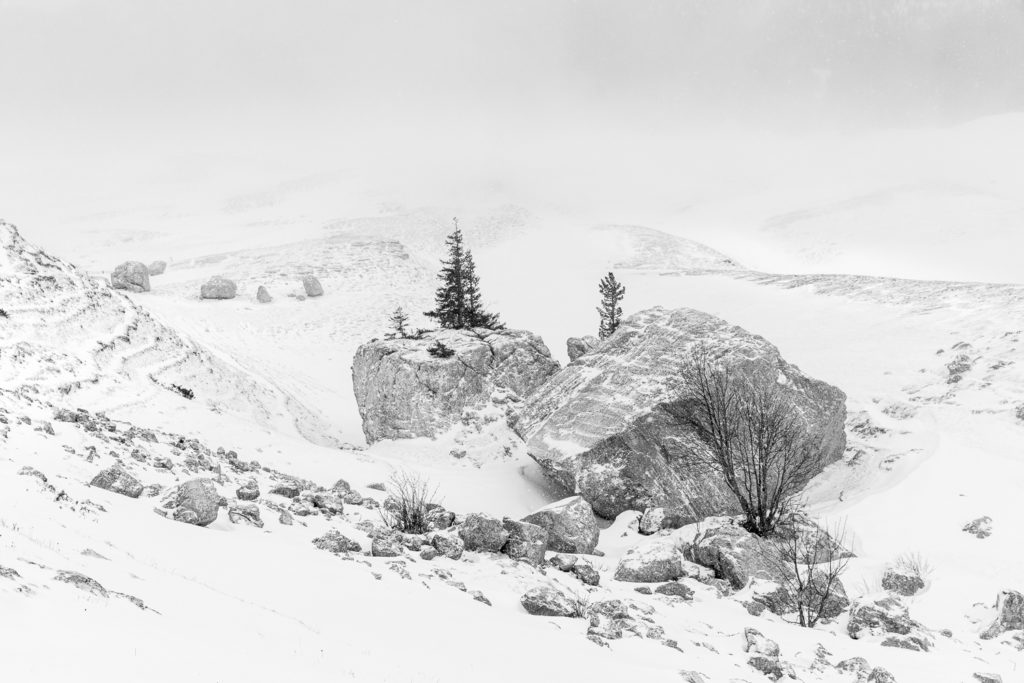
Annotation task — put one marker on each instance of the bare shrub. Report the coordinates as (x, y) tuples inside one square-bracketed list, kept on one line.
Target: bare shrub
[(914, 564), (582, 603), (812, 560), (413, 496), (757, 439)]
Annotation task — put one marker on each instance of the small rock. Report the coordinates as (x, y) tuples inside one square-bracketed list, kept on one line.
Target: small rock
[(570, 523), (81, 582), (245, 513), (650, 563), (880, 675), (285, 518), (116, 479), (980, 527), (132, 276), (157, 267), (564, 563), (756, 642), (388, 544), (333, 541), (288, 489), (483, 533), (312, 286), (448, 544), (525, 541), (769, 666), (988, 678), (675, 588), (902, 581), (480, 597), (586, 573), (548, 602), (248, 491), (263, 296), (428, 553), (218, 287)]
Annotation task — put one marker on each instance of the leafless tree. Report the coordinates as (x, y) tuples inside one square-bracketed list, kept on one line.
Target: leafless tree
[(757, 440), (812, 560), (413, 497)]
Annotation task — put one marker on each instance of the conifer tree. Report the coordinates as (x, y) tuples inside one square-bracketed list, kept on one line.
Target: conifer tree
[(398, 321), (457, 301), (609, 310)]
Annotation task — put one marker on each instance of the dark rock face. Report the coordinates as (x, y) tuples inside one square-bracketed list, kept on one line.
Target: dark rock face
[(1009, 614), (525, 541), (902, 581), (483, 533), (405, 392), (218, 287), (117, 480), (580, 346), (312, 286), (611, 426), (132, 276), (736, 555), (570, 524), (547, 602), (196, 502)]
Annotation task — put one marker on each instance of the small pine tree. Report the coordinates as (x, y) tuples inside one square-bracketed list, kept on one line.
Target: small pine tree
[(609, 310), (398, 321), (457, 301)]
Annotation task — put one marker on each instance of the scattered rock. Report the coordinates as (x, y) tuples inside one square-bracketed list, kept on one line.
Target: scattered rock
[(611, 425), (333, 541), (650, 563), (676, 589), (288, 489), (285, 518), (570, 524), (196, 502), (586, 573), (656, 519), (387, 544), (1009, 614), (769, 666), (480, 597), (405, 392), (855, 665), (218, 287), (756, 642), (115, 479), (250, 490), (548, 602), (157, 267), (980, 527), (428, 552), (563, 563), (988, 678), (81, 582), (526, 541), (27, 471), (312, 286), (132, 276), (483, 533), (263, 296), (448, 544), (902, 581), (245, 513), (887, 617), (880, 675)]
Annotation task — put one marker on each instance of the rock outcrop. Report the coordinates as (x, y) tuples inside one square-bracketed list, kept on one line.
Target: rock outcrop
[(611, 425), (403, 391), (580, 346), (570, 525), (132, 276), (218, 287)]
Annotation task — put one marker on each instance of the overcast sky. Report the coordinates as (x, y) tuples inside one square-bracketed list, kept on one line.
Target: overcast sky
[(86, 81)]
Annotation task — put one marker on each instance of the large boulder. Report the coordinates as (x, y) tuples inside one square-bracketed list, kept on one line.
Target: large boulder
[(218, 287), (570, 524), (132, 276), (196, 502), (580, 346), (612, 426), (403, 391), (312, 286), (483, 533), (736, 555), (115, 479)]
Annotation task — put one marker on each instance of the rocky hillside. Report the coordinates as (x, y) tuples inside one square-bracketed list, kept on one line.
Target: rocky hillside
[(611, 425), (76, 341)]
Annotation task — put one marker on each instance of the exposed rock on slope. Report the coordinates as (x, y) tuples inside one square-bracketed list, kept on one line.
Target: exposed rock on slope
[(579, 346), (610, 426), (75, 341), (405, 392)]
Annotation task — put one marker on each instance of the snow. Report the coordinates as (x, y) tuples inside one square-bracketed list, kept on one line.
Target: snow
[(235, 603)]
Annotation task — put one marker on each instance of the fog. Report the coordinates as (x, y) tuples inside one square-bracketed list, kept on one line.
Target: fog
[(623, 110)]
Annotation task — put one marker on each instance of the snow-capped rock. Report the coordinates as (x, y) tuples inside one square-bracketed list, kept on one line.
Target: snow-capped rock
[(651, 563), (570, 525), (611, 426), (403, 391), (132, 276)]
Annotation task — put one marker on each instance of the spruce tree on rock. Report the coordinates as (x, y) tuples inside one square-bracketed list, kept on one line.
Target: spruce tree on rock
[(457, 301), (398, 321), (609, 310)]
